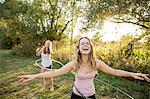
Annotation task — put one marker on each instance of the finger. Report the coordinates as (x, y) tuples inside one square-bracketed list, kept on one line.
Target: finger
[(146, 78), (21, 80), (146, 74), (140, 78), (26, 80)]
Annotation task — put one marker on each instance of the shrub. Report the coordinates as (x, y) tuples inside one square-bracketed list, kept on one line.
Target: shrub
[(26, 48), (6, 43)]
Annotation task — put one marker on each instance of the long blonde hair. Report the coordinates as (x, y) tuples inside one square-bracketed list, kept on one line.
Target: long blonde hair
[(91, 56), (50, 50)]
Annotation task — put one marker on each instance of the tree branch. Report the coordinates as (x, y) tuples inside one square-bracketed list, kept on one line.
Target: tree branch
[(64, 28), (123, 21)]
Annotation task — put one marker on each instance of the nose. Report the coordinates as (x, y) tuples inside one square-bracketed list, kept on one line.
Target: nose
[(85, 44)]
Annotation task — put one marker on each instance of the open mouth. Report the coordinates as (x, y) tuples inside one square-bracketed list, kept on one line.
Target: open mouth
[(85, 49)]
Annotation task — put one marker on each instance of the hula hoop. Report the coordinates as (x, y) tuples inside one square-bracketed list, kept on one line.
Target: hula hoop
[(36, 62), (121, 91)]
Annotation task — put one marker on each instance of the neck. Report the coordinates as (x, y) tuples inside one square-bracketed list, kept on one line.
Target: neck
[(85, 59)]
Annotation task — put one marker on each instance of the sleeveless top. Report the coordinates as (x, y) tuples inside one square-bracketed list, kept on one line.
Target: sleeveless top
[(84, 83), (46, 61)]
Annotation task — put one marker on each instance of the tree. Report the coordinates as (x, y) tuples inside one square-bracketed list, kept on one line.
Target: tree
[(40, 19), (136, 12), (97, 38), (30, 22), (121, 11)]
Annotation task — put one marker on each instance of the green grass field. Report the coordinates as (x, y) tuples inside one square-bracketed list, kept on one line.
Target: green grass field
[(12, 66)]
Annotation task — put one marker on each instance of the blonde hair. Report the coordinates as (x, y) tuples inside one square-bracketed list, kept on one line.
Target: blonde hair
[(91, 56), (49, 49)]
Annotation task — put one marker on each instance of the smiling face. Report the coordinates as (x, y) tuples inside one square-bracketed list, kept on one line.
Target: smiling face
[(84, 46)]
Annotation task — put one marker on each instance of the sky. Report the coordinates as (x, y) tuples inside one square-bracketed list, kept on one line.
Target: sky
[(111, 31), (2, 1)]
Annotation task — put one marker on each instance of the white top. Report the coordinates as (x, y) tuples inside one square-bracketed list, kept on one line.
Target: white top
[(46, 61)]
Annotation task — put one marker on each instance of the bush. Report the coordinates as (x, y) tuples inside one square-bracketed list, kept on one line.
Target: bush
[(63, 54), (138, 62), (6, 43), (26, 48)]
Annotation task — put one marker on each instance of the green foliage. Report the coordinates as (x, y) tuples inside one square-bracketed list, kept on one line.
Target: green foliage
[(97, 38), (147, 42), (63, 54), (26, 48), (111, 53), (129, 11), (126, 39), (142, 57), (33, 20), (6, 42)]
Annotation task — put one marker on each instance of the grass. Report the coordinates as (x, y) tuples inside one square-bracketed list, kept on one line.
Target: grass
[(12, 66)]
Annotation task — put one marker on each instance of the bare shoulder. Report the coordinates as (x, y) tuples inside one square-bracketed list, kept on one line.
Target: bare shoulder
[(104, 67), (98, 63)]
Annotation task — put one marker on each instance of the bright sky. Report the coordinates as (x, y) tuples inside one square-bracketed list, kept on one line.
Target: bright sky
[(2, 1), (112, 31)]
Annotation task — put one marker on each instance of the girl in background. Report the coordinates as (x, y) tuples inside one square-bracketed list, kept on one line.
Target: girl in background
[(45, 52)]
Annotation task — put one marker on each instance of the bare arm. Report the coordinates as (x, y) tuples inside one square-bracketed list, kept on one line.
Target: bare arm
[(65, 69), (105, 68), (39, 51), (51, 50)]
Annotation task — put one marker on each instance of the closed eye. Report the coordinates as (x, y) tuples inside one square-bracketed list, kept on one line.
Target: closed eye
[(85, 43)]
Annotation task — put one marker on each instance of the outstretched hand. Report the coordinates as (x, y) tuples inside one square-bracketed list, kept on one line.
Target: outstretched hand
[(26, 78), (141, 76)]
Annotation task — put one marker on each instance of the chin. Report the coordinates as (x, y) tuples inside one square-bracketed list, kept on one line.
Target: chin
[(85, 53)]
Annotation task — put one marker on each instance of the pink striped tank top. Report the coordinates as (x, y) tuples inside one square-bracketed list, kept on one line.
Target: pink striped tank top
[(84, 83)]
